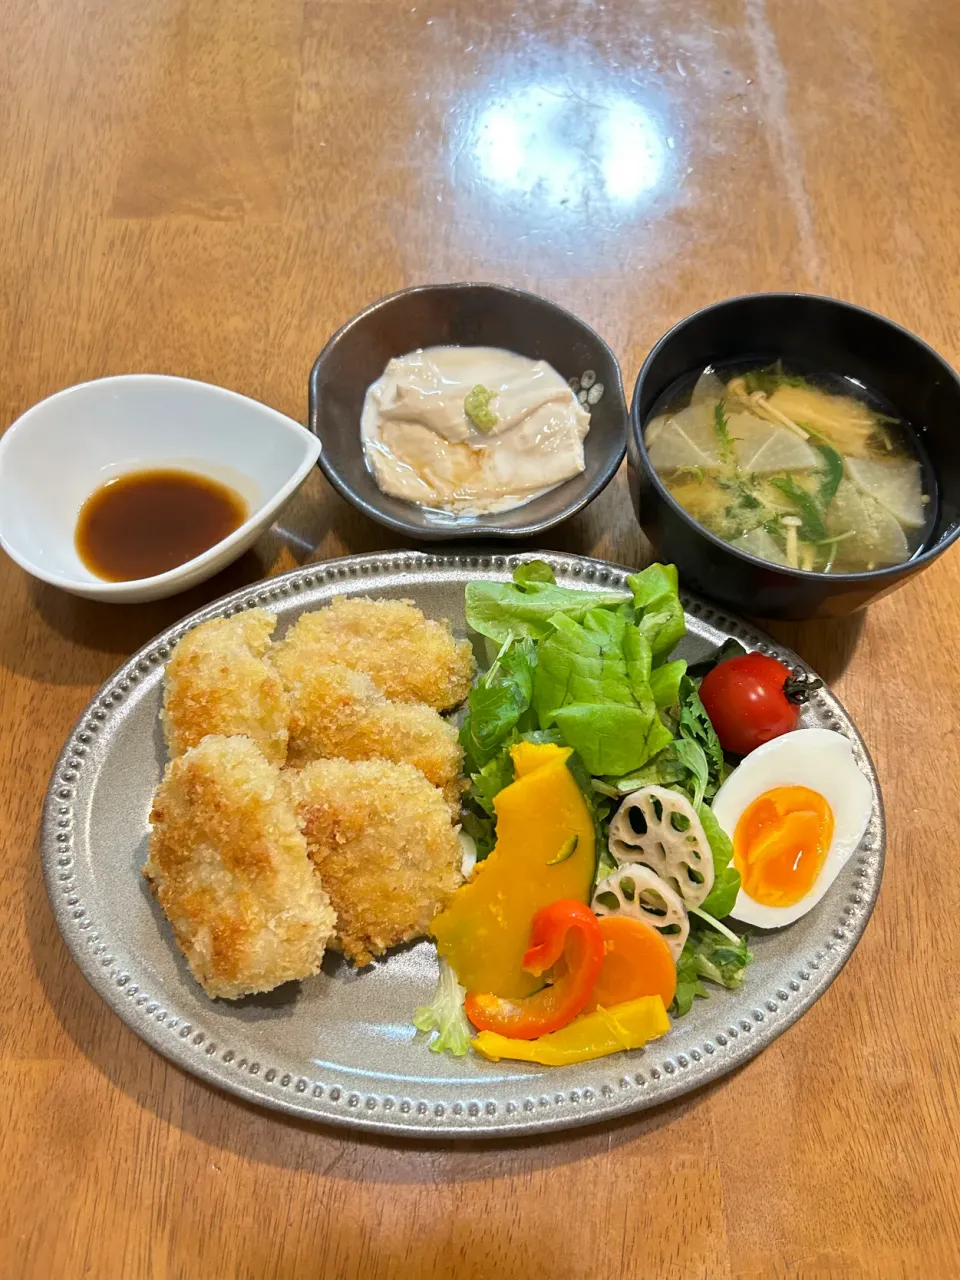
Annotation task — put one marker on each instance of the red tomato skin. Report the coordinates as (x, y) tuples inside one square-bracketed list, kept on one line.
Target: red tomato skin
[(745, 700)]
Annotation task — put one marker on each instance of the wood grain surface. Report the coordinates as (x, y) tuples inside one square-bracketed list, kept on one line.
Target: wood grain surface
[(210, 189)]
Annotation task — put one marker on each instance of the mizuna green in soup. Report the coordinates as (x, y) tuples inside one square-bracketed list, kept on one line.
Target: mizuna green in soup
[(809, 472)]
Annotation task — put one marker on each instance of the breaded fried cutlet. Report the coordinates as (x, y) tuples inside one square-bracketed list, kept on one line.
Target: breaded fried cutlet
[(338, 712), (218, 682), (410, 658), (380, 835), (228, 864)]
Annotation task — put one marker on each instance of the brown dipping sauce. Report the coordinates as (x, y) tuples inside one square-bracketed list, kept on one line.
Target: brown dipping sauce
[(146, 522)]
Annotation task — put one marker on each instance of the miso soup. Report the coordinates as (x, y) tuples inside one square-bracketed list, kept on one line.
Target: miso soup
[(809, 471)]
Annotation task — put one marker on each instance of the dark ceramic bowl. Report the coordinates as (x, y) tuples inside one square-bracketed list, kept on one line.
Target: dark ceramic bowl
[(840, 339), (468, 315)]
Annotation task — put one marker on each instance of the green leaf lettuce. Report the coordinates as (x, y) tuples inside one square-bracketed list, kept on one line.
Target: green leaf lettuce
[(593, 682), (660, 617), (499, 609), (444, 1014), (726, 878), (533, 571), (708, 955), (498, 702)]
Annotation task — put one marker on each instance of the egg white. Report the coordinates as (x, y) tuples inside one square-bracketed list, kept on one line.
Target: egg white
[(821, 760)]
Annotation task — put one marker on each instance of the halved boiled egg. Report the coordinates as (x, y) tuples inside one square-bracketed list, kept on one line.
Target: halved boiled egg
[(795, 809)]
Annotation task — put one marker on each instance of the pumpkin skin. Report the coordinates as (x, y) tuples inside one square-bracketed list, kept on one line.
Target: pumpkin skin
[(485, 930)]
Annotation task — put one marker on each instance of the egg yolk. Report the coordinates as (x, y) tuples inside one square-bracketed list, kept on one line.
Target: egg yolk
[(780, 844)]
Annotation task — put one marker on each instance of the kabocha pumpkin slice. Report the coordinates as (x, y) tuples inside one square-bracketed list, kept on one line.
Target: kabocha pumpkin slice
[(485, 931)]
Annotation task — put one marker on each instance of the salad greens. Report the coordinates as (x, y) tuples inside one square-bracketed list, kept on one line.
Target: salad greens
[(524, 609), (533, 571), (729, 649), (499, 702), (692, 757), (611, 738), (708, 954), (479, 818), (592, 670), (603, 659), (726, 883), (444, 1014), (664, 770), (665, 683), (593, 682), (659, 613), (696, 729)]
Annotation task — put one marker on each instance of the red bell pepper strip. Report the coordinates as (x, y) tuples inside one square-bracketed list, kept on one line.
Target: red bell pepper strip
[(564, 934)]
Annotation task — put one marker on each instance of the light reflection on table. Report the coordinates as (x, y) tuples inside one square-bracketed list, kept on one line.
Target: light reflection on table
[(566, 149)]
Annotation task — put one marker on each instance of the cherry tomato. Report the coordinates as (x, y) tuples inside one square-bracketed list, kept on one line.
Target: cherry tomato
[(747, 699)]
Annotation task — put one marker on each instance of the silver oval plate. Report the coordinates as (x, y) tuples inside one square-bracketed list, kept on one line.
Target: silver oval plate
[(340, 1047)]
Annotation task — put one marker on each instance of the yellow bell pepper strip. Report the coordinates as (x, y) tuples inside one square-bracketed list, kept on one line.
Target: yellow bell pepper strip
[(566, 934), (592, 1035), (484, 930)]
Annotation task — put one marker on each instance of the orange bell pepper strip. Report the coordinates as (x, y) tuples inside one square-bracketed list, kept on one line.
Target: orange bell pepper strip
[(564, 934)]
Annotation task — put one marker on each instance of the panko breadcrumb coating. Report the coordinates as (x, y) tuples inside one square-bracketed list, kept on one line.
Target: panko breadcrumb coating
[(338, 712), (228, 864), (380, 835), (410, 658), (218, 682)]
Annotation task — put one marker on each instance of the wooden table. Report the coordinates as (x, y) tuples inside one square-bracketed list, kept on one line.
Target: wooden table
[(209, 189)]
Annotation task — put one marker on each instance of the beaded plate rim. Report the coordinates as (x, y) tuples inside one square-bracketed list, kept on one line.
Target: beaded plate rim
[(616, 1086)]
